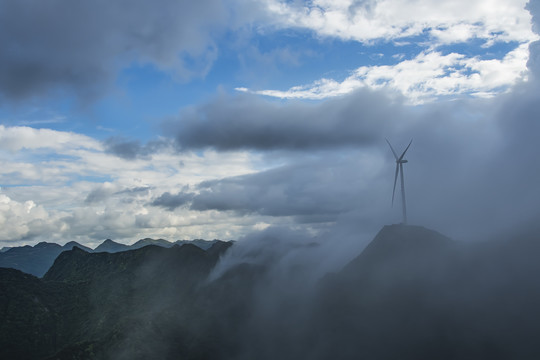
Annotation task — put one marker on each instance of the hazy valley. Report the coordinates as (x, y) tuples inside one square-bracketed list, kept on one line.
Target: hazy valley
[(411, 293)]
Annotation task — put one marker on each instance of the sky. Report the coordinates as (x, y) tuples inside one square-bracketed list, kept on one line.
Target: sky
[(230, 119)]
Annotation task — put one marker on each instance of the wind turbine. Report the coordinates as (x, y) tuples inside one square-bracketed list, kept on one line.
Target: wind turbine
[(399, 169)]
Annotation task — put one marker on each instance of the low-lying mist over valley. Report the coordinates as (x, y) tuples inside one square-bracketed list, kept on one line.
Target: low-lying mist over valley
[(411, 293)]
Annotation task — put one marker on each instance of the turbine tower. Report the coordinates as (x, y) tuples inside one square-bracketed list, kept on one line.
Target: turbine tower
[(399, 169)]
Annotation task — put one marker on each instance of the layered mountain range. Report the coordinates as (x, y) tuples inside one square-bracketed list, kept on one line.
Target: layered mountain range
[(36, 260), (412, 293)]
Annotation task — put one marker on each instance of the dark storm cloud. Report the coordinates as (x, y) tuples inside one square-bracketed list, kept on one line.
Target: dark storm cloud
[(534, 9), (99, 193), (534, 48), (172, 201), (313, 190), (105, 191), (133, 149), (477, 170), (79, 45), (472, 167), (250, 122), (135, 190), (320, 190)]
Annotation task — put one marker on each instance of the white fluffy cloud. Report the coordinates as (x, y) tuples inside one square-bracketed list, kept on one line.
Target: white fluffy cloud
[(23, 137), (22, 220), (61, 186), (428, 76), (445, 21)]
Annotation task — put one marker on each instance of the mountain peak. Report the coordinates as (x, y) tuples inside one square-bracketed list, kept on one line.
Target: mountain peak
[(72, 244), (76, 249), (45, 244), (400, 245), (110, 246), (409, 235), (149, 241)]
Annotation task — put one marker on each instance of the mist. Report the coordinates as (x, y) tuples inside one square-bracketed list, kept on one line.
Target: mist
[(452, 293)]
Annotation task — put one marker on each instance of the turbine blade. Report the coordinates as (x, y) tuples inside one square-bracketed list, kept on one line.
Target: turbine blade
[(391, 148), (395, 182), (402, 155)]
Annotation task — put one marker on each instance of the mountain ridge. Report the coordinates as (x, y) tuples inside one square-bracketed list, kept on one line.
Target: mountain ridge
[(37, 259), (93, 300)]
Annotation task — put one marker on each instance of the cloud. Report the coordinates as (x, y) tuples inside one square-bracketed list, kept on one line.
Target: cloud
[(321, 168), (368, 21), (171, 202), (135, 190), (290, 254), (312, 191), (16, 138), (433, 27), (248, 122), (534, 9), (22, 220), (324, 169), (86, 194), (79, 47), (534, 48), (100, 193), (427, 77), (471, 170), (132, 149)]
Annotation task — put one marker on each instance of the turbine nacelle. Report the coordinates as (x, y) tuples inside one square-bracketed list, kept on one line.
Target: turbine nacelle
[(402, 161)]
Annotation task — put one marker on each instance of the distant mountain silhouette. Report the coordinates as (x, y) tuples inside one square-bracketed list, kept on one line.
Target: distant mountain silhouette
[(147, 241), (71, 244), (35, 260), (203, 244), (111, 246)]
